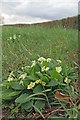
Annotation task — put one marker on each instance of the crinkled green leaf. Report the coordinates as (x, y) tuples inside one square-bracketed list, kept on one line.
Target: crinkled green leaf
[(28, 106), (9, 94), (38, 89), (37, 68), (40, 75), (22, 98), (45, 79), (52, 83), (39, 104), (57, 76), (32, 77), (26, 82), (17, 86)]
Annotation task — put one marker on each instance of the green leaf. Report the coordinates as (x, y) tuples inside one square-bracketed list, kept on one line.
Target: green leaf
[(32, 77), (57, 76), (47, 90), (40, 75), (26, 97), (53, 83), (9, 94), (45, 79), (51, 65), (31, 73), (37, 98), (26, 82), (38, 89), (27, 106), (22, 98), (45, 63), (16, 86), (39, 104), (37, 68), (64, 69)]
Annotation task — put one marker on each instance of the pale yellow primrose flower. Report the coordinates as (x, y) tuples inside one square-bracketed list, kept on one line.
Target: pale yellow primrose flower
[(10, 78), (10, 38), (58, 69), (22, 68), (41, 59), (59, 61), (23, 76), (21, 82), (45, 68), (19, 36), (26, 67), (38, 81), (31, 85), (48, 59), (14, 37), (41, 82), (33, 63), (67, 80)]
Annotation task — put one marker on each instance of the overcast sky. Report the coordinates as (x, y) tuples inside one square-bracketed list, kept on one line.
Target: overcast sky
[(32, 11)]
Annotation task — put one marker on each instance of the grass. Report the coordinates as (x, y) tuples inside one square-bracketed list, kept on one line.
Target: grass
[(55, 42)]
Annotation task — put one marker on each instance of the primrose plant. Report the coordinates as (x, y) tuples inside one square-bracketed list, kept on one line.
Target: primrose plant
[(32, 87)]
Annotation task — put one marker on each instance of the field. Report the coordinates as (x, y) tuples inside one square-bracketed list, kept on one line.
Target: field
[(32, 42), (40, 72)]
